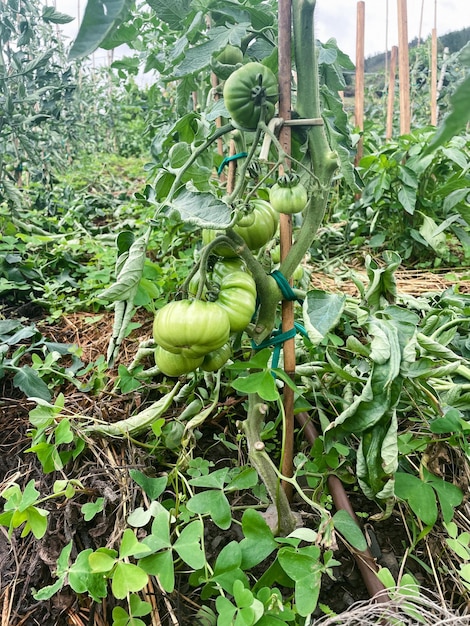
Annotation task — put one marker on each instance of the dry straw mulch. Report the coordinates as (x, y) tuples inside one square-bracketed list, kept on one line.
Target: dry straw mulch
[(411, 282)]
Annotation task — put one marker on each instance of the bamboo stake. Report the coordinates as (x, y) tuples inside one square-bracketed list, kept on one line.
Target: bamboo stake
[(434, 77), (403, 68), (359, 89), (285, 19), (434, 69), (391, 92)]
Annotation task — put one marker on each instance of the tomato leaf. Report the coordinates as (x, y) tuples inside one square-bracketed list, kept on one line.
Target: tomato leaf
[(200, 209), (321, 313), (100, 18)]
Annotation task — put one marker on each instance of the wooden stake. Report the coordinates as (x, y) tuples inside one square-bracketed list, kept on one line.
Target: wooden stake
[(285, 63), (434, 77), (403, 68), (391, 92), (359, 89)]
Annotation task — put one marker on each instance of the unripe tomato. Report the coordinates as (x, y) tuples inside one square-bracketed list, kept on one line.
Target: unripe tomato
[(224, 267), (247, 90), (298, 274), (288, 195), (217, 358), (191, 328), (230, 55), (237, 296), (263, 228), (257, 234), (174, 365)]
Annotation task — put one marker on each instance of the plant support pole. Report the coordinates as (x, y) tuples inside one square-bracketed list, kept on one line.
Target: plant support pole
[(391, 92), (403, 68), (285, 19), (359, 90)]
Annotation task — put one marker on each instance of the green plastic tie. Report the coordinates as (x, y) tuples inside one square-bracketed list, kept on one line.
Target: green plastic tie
[(226, 161), (287, 292)]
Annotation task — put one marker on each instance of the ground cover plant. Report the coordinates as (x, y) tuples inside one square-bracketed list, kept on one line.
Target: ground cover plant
[(146, 482)]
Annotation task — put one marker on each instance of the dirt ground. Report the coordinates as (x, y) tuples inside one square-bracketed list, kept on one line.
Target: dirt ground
[(27, 564)]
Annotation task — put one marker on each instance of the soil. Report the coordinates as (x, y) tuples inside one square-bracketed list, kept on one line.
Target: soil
[(27, 564)]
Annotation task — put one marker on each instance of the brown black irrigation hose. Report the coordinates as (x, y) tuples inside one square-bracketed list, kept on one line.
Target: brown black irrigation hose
[(364, 559)]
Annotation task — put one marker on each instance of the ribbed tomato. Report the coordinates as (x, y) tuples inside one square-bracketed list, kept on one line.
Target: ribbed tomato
[(247, 90), (191, 328)]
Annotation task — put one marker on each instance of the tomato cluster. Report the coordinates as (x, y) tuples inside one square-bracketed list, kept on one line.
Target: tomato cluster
[(196, 333)]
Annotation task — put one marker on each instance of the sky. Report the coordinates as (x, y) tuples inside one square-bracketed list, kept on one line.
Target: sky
[(337, 18)]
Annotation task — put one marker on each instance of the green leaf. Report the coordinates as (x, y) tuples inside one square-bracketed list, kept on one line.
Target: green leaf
[(419, 495), (90, 509), (63, 433), (128, 578), (47, 592), (213, 503), (188, 545), (173, 13), (259, 541), (31, 384), (160, 565), (81, 579), (457, 118), (449, 495), (244, 479), (214, 480), (130, 545), (62, 568), (29, 497), (129, 272), (350, 530), (304, 566), (199, 57), (262, 383), (200, 209), (139, 608), (321, 313), (50, 14), (450, 423), (100, 18), (37, 522), (153, 487), (159, 538), (101, 562)]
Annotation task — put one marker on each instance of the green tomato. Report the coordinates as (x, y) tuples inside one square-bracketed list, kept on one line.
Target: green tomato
[(175, 365), (263, 228), (221, 268), (246, 90), (230, 55), (237, 296), (276, 254), (191, 327), (257, 234), (225, 251), (288, 195), (217, 358), (298, 274), (224, 267)]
